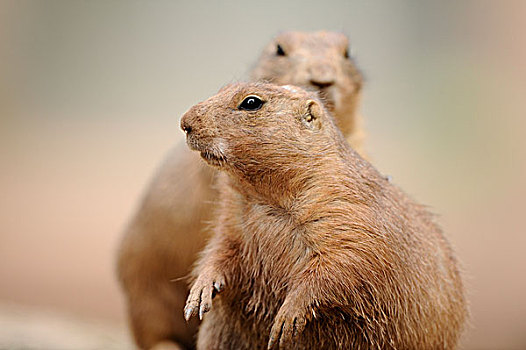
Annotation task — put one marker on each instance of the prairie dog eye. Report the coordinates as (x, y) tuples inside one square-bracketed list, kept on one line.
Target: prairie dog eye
[(251, 103), (279, 50)]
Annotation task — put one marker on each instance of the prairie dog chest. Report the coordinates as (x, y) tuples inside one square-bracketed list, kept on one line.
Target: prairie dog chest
[(271, 237), (271, 254)]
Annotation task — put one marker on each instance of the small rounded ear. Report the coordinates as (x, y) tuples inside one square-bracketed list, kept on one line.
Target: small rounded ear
[(312, 117)]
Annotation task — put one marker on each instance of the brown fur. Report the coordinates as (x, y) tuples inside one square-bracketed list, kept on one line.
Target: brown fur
[(164, 236), (312, 247), (318, 61)]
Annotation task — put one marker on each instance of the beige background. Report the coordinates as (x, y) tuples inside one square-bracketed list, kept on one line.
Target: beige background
[(90, 97)]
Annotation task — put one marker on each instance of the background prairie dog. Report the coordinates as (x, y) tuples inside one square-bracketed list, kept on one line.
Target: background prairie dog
[(163, 237), (319, 61), (311, 243)]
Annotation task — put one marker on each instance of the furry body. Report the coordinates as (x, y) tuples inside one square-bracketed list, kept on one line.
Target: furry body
[(169, 228), (312, 247)]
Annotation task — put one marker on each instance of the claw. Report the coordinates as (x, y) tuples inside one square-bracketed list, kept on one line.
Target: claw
[(219, 286), (204, 308), (199, 300), (289, 323), (274, 336), (188, 311)]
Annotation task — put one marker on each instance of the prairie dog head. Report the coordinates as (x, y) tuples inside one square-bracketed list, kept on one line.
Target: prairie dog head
[(318, 61), (255, 129)]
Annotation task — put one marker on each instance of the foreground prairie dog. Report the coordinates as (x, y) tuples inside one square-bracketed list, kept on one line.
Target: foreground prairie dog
[(312, 248), (163, 237)]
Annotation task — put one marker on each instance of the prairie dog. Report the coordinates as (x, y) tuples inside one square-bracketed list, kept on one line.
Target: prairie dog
[(312, 248), (322, 62), (169, 228)]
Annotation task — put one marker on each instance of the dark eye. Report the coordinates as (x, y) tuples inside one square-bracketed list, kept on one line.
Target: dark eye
[(251, 103), (279, 50), (346, 53)]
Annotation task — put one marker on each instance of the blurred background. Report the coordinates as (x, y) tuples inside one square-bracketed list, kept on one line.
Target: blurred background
[(91, 93)]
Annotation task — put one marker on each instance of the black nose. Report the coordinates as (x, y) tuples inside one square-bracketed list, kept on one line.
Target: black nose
[(185, 126), (322, 84)]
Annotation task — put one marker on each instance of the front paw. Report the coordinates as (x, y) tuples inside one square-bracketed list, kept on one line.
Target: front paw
[(201, 294), (288, 324)]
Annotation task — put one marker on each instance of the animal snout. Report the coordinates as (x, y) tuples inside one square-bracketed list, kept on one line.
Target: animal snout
[(188, 121), (322, 84), (192, 125), (186, 127), (322, 75)]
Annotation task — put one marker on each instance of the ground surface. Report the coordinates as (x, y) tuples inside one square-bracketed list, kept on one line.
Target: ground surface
[(31, 329)]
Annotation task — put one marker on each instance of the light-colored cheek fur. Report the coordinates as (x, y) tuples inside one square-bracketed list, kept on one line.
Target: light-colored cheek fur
[(221, 146)]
